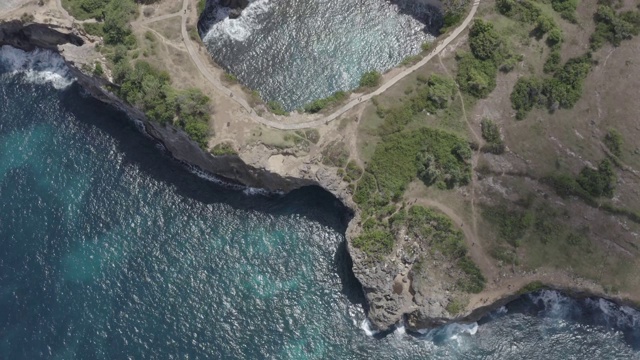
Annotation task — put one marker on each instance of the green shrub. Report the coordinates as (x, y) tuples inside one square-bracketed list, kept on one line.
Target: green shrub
[(366, 187), (531, 287), (490, 131), (320, 104), (512, 224), (222, 149), (98, 70), (451, 18), (410, 60), (613, 141), (552, 64), (374, 242), (474, 282), (563, 90), (523, 10), (198, 131), (352, 171), (484, 41), (202, 4), (276, 108), (230, 78), (396, 160), (613, 27), (116, 28), (566, 9), (600, 182), (476, 77), (455, 307), (94, 29), (527, 93), (370, 79), (566, 185)]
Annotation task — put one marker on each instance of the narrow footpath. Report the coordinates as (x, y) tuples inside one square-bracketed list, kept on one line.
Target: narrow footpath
[(296, 125)]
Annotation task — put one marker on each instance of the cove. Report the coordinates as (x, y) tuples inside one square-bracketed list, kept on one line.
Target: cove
[(295, 51), (109, 249)]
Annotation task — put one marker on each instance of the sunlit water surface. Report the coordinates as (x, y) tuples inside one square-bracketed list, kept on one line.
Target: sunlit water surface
[(296, 51), (110, 250)]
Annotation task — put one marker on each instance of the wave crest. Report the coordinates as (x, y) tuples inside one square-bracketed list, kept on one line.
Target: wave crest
[(238, 29), (38, 67)]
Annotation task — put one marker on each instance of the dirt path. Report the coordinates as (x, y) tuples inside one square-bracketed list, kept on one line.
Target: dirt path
[(297, 121), (478, 255), (474, 156)]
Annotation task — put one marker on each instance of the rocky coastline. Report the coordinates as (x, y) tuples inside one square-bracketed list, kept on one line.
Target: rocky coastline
[(385, 307)]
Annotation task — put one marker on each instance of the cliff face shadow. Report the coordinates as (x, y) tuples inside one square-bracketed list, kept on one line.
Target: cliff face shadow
[(428, 12), (312, 202), (351, 287)]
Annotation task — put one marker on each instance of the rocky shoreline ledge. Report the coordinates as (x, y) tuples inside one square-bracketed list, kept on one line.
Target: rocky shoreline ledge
[(385, 306)]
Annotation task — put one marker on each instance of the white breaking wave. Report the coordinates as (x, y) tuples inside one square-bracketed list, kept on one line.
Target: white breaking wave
[(39, 66), (250, 191), (366, 326), (400, 329), (450, 332), (555, 304), (204, 175), (241, 28)]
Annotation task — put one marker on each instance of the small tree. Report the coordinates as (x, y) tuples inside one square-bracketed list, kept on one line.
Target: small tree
[(370, 79)]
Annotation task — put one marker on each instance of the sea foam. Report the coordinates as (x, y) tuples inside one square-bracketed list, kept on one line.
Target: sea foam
[(38, 66), (238, 29)]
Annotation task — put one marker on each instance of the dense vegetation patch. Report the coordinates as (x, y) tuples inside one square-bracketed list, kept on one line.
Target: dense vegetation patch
[(489, 52), (613, 27), (370, 79), (138, 82), (150, 90), (588, 185), (400, 157), (562, 90)]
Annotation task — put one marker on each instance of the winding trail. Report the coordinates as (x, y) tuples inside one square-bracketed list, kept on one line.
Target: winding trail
[(474, 246), (197, 60)]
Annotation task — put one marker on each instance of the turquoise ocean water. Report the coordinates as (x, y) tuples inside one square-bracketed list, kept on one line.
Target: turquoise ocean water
[(111, 250)]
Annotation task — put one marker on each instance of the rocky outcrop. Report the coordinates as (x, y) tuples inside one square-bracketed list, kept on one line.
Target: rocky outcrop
[(218, 10), (235, 7), (392, 289), (230, 168), (32, 36)]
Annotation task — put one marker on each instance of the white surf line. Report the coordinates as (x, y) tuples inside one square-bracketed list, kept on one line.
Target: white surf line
[(315, 123)]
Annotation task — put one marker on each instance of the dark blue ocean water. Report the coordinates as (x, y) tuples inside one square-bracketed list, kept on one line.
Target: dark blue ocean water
[(110, 250)]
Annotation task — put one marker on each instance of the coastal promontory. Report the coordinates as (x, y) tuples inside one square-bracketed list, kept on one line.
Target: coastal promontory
[(497, 160)]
